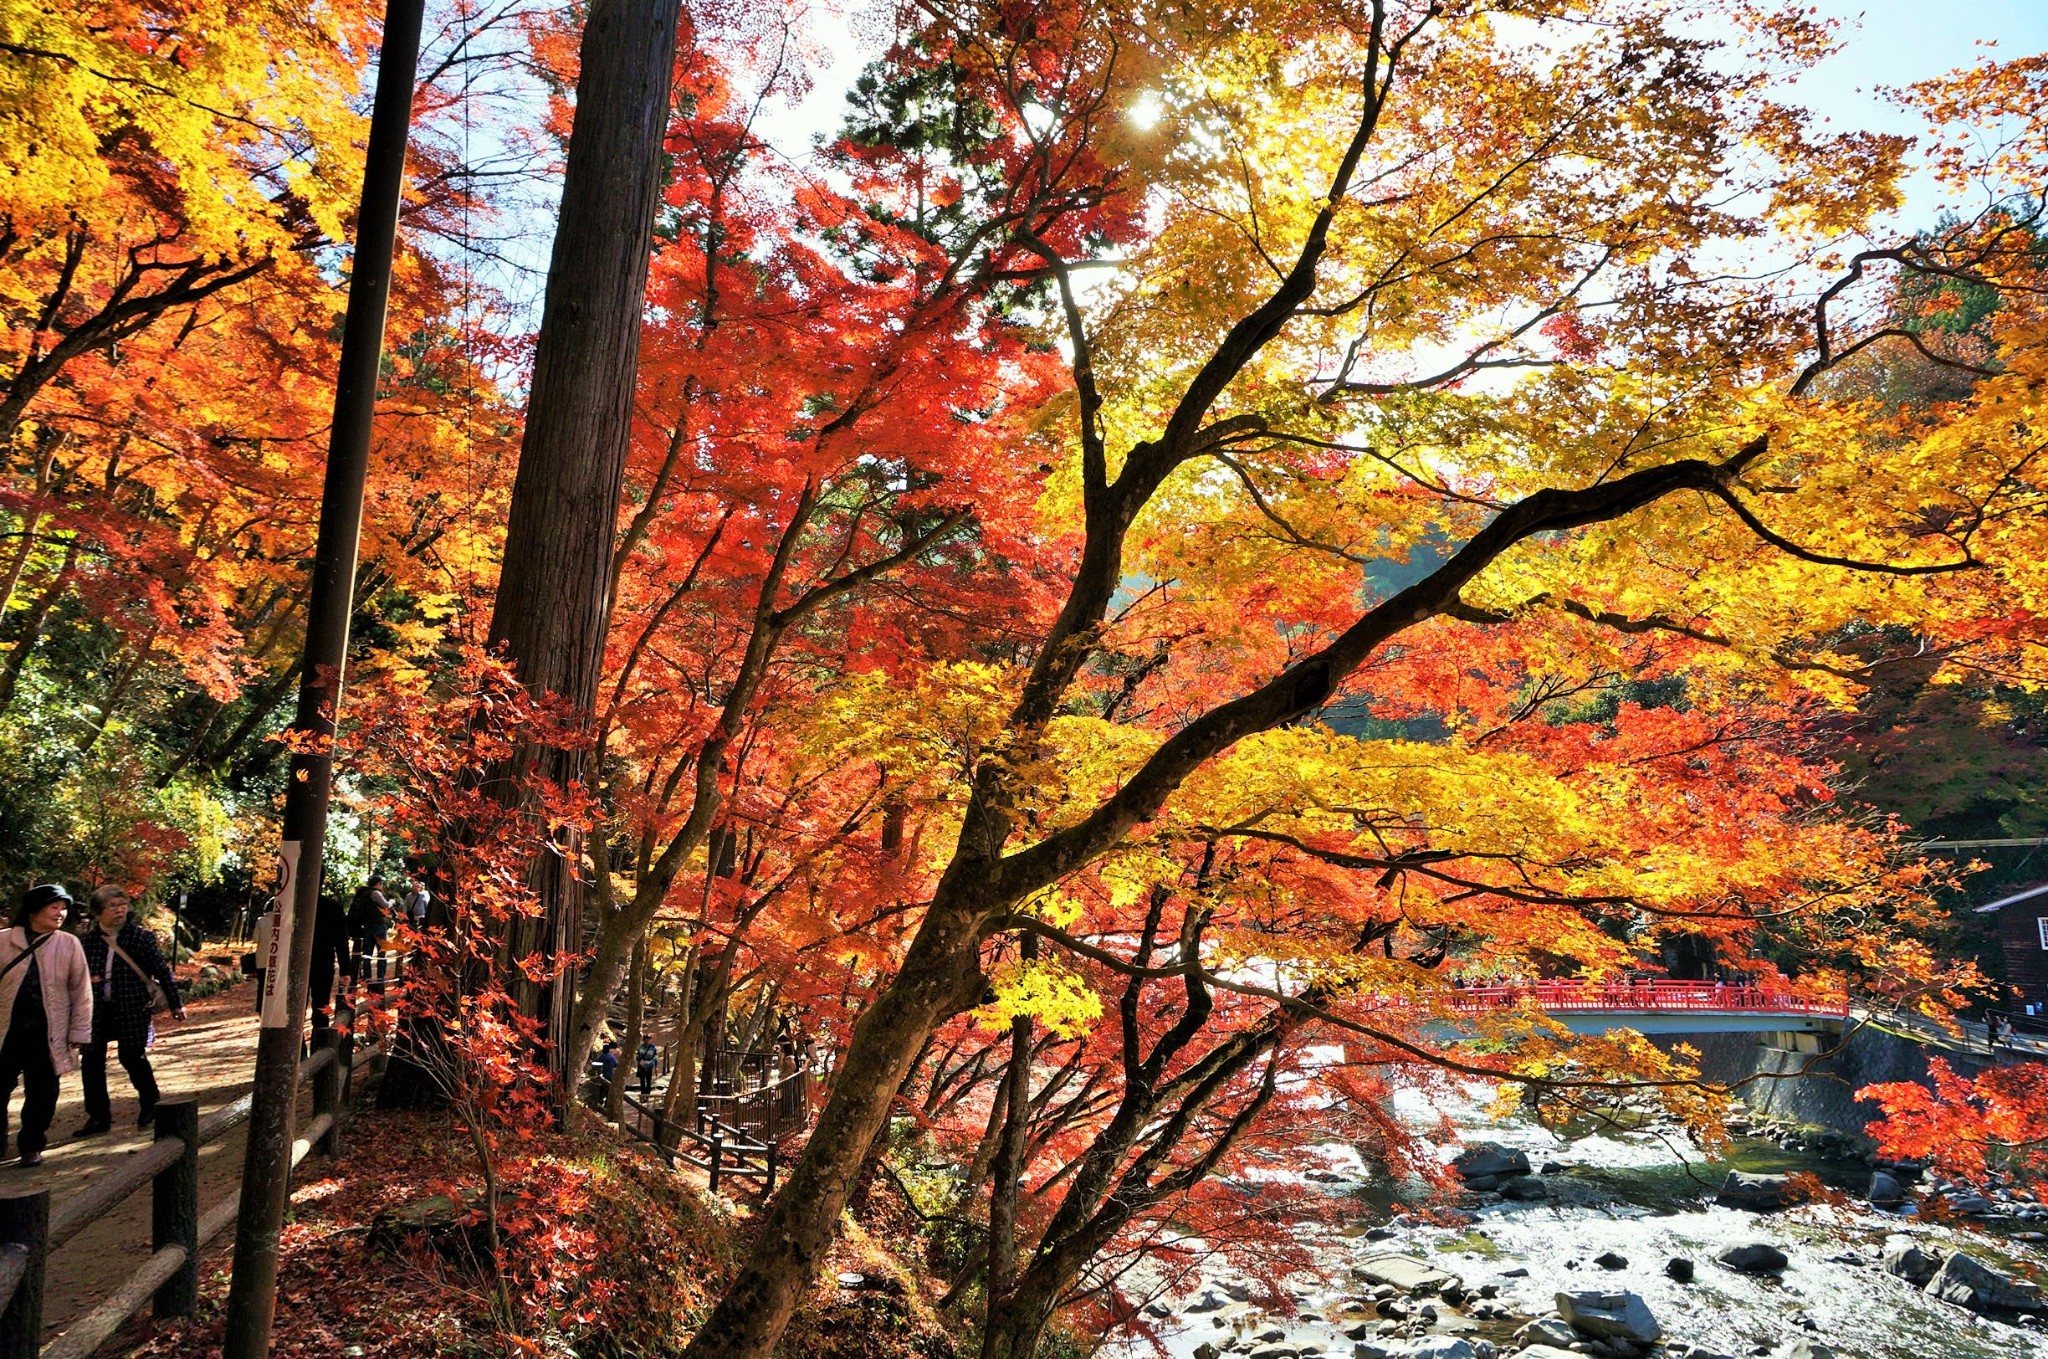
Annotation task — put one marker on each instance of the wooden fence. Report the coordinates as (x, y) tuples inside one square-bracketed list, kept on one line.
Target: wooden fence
[(30, 1229), (733, 1134)]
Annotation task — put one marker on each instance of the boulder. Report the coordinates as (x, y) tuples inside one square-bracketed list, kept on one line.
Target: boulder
[(1972, 1205), (1885, 1190), (1404, 1272), (1756, 1258), (1757, 1193), (1546, 1352), (1479, 1184), (1205, 1350), (1485, 1159), (1803, 1348), (1524, 1189), (1906, 1258), (1609, 1260), (1209, 1301), (1601, 1314), (1366, 1350), (1435, 1347), (1276, 1352), (1961, 1280), (1679, 1269), (1546, 1331)]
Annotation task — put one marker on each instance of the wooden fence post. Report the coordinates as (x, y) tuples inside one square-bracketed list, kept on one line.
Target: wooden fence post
[(174, 1207), (717, 1153), (25, 1225), (346, 1058), (327, 1086)]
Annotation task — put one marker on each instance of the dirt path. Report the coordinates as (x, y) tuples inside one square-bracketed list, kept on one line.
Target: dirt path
[(210, 1057)]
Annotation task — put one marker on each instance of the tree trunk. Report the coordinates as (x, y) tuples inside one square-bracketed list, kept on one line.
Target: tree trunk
[(939, 978), (32, 627), (1017, 1325), (636, 1005), (553, 601), (1007, 1179)]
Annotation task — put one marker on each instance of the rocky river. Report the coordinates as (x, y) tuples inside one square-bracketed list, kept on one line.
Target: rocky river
[(1633, 1245)]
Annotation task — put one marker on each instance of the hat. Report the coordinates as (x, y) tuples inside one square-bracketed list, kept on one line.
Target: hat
[(38, 897)]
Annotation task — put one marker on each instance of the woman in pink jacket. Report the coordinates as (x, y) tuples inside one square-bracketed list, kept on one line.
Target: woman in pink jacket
[(45, 1012)]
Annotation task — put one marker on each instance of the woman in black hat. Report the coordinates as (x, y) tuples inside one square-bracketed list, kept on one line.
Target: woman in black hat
[(45, 1012), (131, 982)]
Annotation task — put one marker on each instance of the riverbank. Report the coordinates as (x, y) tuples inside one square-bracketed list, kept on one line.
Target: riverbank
[(1610, 1213)]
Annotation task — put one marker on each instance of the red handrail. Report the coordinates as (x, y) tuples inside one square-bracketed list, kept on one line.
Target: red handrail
[(1567, 996)]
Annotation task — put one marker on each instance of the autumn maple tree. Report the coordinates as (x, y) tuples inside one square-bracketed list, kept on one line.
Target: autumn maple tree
[(1443, 285)]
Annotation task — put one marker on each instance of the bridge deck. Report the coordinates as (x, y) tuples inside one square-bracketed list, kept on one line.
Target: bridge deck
[(1657, 1006)]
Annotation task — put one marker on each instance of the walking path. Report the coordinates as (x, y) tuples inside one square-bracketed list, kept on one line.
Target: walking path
[(210, 1057)]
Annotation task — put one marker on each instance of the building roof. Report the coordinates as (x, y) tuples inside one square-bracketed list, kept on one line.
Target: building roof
[(2014, 899)]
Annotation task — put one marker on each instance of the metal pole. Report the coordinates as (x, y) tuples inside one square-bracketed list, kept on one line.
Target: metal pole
[(266, 1173)]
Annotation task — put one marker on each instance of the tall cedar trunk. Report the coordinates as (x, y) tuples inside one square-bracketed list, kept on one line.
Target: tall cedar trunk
[(553, 601), (939, 978)]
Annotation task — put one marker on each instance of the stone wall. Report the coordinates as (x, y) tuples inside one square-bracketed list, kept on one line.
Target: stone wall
[(1795, 1079)]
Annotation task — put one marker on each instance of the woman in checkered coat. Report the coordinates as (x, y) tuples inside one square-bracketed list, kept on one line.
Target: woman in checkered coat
[(121, 954)]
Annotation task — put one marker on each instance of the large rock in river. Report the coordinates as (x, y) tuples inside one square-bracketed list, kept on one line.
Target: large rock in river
[(1756, 1258), (1485, 1160), (1623, 1315), (1434, 1347), (1756, 1192), (1961, 1280), (1546, 1331), (1906, 1258), (1404, 1272)]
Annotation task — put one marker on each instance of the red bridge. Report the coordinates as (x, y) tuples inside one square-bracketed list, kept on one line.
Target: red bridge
[(1660, 1006)]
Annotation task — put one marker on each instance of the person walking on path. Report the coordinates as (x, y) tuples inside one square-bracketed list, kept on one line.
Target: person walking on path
[(416, 903), (45, 1012), (369, 925), (131, 983), (330, 956), (645, 1060)]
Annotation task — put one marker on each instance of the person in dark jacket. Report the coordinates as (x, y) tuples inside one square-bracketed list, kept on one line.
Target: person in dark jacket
[(330, 955), (124, 959), (645, 1060), (369, 925)]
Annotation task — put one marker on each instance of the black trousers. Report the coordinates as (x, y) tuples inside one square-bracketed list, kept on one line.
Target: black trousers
[(25, 1058), (92, 1066)]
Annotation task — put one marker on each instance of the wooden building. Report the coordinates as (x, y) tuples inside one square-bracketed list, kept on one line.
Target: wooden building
[(2023, 937)]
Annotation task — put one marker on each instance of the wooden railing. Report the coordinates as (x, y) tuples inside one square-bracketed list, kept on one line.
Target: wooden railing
[(731, 1135), (30, 1230)]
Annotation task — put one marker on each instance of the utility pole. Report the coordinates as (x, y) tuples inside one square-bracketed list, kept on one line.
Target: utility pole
[(266, 1170)]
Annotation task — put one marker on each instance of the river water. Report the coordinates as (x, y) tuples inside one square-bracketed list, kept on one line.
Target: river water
[(1647, 1198)]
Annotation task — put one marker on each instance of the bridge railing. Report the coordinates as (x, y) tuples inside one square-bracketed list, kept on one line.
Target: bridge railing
[(1567, 997)]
